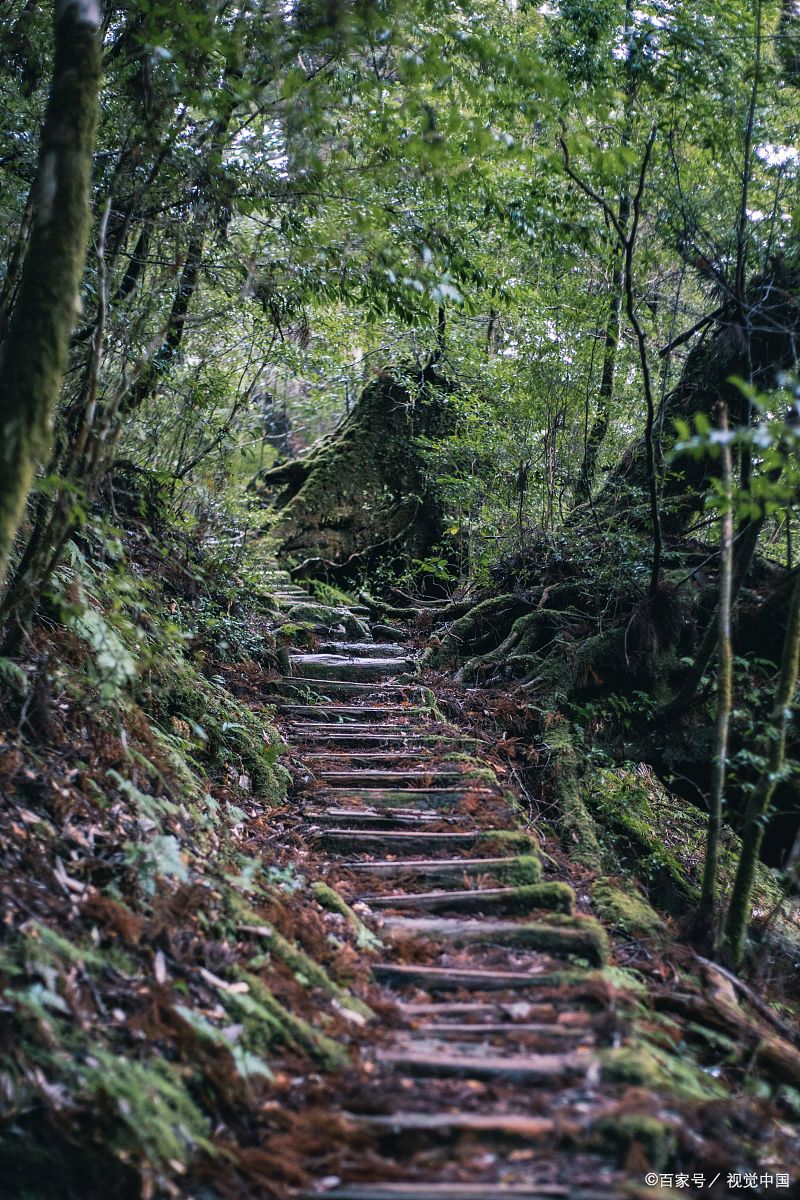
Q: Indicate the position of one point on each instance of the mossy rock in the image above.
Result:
(328, 618)
(620, 904)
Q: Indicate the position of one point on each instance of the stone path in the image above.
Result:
(501, 1072)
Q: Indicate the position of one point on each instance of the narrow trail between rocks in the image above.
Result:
(498, 1073)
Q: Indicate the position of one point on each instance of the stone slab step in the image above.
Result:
(487, 1012)
(449, 979)
(358, 670)
(354, 841)
(364, 649)
(461, 1029)
(519, 869)
(395, 737)
(367, 778)
(434, 798)
(556, 896)
(386, 759)
(345, 713)
(514, 1125)
(296, 686)
(362, 818)
(512, 1068)
(581, 936)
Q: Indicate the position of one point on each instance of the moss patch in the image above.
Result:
(642, 1065)
(620, 903)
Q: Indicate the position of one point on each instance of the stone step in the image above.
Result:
(441, 799)
(366, 778)
(491, 1012)
(344, 840)
(391, 737)
(414, 759)
(581, 936)
(526, 898)
(468, 1029)
(343, 714)
(363, 818)
(301, 686)
(501, 1125)
(438, 1062)
(451, 979)
(363, 649)
(357, 670)
(517, 869)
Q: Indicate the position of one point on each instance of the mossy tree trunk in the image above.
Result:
(738, 915)
(34, 354)
(708, 897)
(365, 494)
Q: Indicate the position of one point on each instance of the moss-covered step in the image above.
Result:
(385, 758)
(343, 841)
(389, 737)
(559, 935)
(439, 1062)
(453, 979)
(302, 687)
(442, 799)
(363, 818)
(517, 869)
(376, 778)
(557, 897)
(363, 649)
(336, 666)
(360, 714)
(326, 618)
(494, 1011)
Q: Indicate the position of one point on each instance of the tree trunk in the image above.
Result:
(35, 351)
(738, 916)
(708, 898)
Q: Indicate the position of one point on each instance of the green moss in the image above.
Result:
(556, 896)
(264, 1010)
(219, 729)
(622, 905)
(624, 980)
(619, 1132)
(326, 593)
(305, 968)
(328, 618)
(519, 871)
(330, 899)
(509, 840)
(643, 1065)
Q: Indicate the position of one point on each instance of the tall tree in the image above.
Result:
(35, 351)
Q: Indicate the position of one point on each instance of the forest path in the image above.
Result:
(496, 1071)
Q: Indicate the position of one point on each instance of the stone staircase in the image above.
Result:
(497, 1075)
